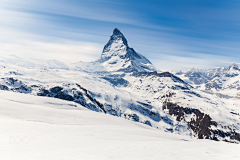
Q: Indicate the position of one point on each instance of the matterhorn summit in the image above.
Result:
(118, 56)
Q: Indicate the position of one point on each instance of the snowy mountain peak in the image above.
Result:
(117, 32)
(116, 46)
(234, 66)
(117, 37)
(118, 56)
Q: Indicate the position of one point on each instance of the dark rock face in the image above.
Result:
(132, 117)
(73, 95)
(232, 75)
(201, 123)
(145, 111)
(145, 105)
(15, 85)
(3, 87)
(117, 35)
(92, 99)
(155, 73)
(64, 96)
(56, 89)
(43, 92)
(117, 81)
(23, 88)
(235, 113)
(148, 123)
(11, 81)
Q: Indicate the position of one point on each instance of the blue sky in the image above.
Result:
(172, 34)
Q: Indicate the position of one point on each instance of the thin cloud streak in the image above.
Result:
(202, 61)
(70, 52)
(64, 8)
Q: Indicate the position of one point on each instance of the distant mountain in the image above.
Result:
(223, 81)
(200, 76)
(226, 82)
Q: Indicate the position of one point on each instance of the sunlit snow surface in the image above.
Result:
(46, 128)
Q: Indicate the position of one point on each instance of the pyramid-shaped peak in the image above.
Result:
(117, 32)
(116, 42)
(118, 56)
(117, 35)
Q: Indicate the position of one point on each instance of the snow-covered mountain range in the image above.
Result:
(223, 81)
(124, 83)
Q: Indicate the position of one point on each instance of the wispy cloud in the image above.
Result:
(201, 60)
(16, 39)
(66, 8)
(100, 10)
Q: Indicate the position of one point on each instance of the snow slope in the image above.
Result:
(39, 128)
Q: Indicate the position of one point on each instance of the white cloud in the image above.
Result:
(177, 62)
(27, 45)
(15, 39)
(68, 52)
